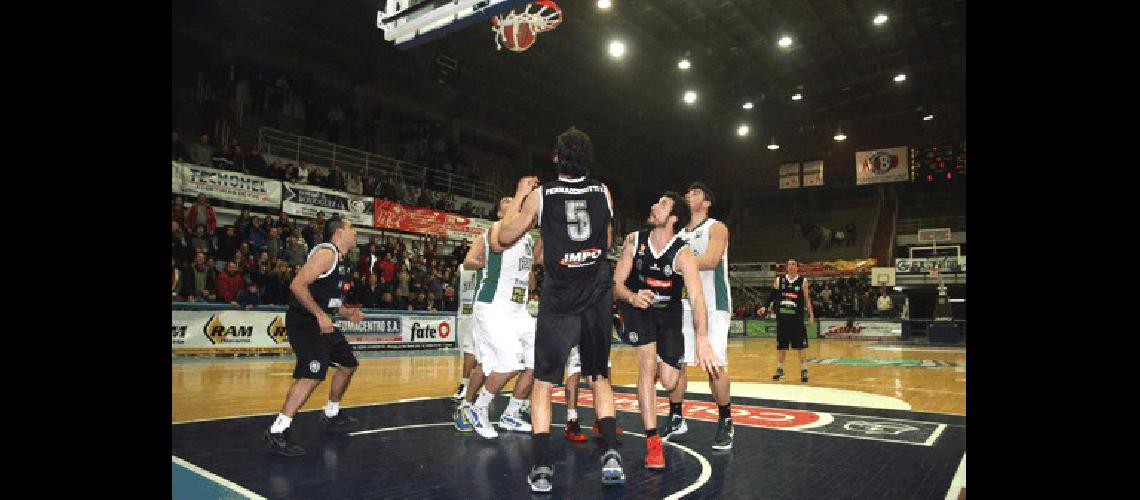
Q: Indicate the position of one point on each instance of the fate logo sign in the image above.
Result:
(220, 333)
(276, 331)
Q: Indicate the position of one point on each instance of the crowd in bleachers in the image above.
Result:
(252, 261)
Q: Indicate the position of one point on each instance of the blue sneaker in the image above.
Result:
(461, 422)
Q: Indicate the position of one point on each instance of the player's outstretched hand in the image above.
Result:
(706, 359)
(642, 299)
(526, 185)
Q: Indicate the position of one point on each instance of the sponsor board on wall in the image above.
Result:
(764, 327)
(736, 327)
(230, 186)
(882, 165)
(789, 175)
(175, 177)
(307, 201)
(813, 173)
(392, 215)
(265, 331)
(861, 329)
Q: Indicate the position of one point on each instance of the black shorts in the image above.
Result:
(315, 352)
(556, 334)
(791, 332)
(663, 326)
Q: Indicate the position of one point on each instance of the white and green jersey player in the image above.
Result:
(708, 240)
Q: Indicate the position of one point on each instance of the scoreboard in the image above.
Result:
(943, 163)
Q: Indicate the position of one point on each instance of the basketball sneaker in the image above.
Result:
(724, 433)
(677, 427)
(337, 423)
(479, 422)
(574, 431)
(461, 422)
(539, 479)
(654, 457)
(459, 393)
(779, 374)
(598, 428)
(279, 443)
(803, 375)
(612, 472)
(524, 414)
(513, 422)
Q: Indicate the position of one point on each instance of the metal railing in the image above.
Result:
(909, 226)
(325, 154)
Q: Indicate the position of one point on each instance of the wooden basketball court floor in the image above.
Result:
(876, 420)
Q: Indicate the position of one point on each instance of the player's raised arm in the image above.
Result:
(521, 214)
(641, 299)
(718, 241)
(319, 263)
(476, 258)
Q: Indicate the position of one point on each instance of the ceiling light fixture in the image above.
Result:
(880, 19)
(773, 146)
(684, 64)
(748, 105)
(690, 97)
(742, 130)
(796, 97)
(785, 41)
(604, 4)
(840, 136)
(617, 49)
(901, 77)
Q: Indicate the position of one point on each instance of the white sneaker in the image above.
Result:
(478, 418)
(513, 422)
(677, 428)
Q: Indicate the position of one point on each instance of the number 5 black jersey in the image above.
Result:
(574, 215)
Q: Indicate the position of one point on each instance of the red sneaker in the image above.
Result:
(598, 429)
(574, 431)
(654, 458)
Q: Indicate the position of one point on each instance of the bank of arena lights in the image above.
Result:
(690, 97)
(617, 49)
(880, 19)
(748, 105)
(785, 41)
(684, 64)
(742, 130)
(901, 77)
(604, 4)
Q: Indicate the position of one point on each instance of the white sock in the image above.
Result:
(280, 424)
(464, 404)
(332, 409)
(484, 399)
(525, 405)
(779, 366)
(513, 405)
(572, 414)
(465, 382)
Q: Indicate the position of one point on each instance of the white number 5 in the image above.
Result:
(577, 220)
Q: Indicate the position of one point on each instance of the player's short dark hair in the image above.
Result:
(704, 189)
(331, 226)
(680, 210)
(575, 153)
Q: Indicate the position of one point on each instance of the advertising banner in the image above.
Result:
(865, 329)
(230, 186)
(303, 200)
(392, 215)
(832, 268)
(789, 175)
(765, 327)
(882, 165)
(813, 173)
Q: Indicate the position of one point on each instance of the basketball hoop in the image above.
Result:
(519, 31)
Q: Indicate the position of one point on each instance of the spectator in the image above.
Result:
(177, 209)
(885, 304)
(850, 232)
(198, 280)
(365, 262)
(302, 173)
(403, 287)
(202, 153)
(178, 151)
(432, 302)
(229, 283)
(223, 158)
(203, 210)
(201, 242)
(276, 170)
(387, 268)
(284, 224)
(274, 245)
(424, 199)
(175, 280)
(241, 224)
(237, 160)
(419, 303)
(296, 251)
(311, 234)
(255, 164)
(368, 296)
(291, 173)
(460, 251)
(277, 287)
(354, 185)
(228, 241)
(257, 238)
(247, 298)
(387, 302)
(180, 247)
(450, 302)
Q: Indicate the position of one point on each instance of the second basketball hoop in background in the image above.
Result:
(518, 31)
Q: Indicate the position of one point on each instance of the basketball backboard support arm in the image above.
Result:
(410, 24)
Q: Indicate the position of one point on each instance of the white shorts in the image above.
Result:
(718, 336)
(466, 333)
(504, 339)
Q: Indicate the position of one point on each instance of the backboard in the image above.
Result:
(410, 23)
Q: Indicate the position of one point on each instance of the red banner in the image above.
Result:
(392, 215)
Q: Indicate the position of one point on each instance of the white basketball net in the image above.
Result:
(546, 16)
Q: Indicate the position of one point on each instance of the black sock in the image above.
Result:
(725, 412)
(650, 433)
(674, 409)
(540, 448)
(608, 427)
